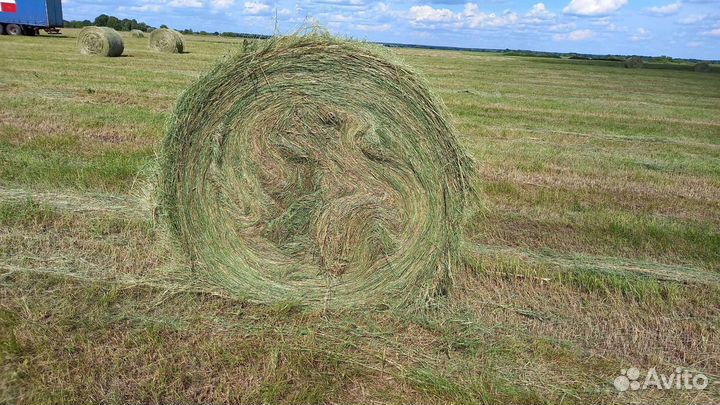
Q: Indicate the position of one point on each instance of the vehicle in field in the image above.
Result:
(28, 17)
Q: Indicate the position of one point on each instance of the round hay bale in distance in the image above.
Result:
(101, 41)
(316, 170)
(703, 67)
(633, 63)
(166, 40)
(137, 34)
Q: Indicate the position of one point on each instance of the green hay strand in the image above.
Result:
(100, 41)
(166, 40)
(317, 170)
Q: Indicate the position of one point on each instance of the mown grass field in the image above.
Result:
(599, 248)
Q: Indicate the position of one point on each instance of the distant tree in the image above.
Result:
(114, 23)
(101, 20)
(163, 26)
(77, 24)
(104, 20)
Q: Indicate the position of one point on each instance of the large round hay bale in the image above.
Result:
(703, 67)
(102, 41)
(166, 40)
(633, 63)
(137, 34)
(316, 169)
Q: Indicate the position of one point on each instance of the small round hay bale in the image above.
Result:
(166, 40)
(703, 67)
(137, 34)
(316, 170)
(101, 41)
(633, 63)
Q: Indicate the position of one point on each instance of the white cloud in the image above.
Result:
(608, 25)
(577, 35)
(540, 12)
(222, 4)
(146, 7)
(252, 7)
(283, 12)
(692, 19)
(562, 27)
(580, 35)
(339, 18)
(713, 33)
(185, 3)
(382, 8)
(471, 17)
(477, 19)
(667, 9)
(429, 14)
(340, 3)
(593, 7)
(640, 34)
(601, 21)
(373, 27)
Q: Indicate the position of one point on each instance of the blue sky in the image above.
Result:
(678, 28)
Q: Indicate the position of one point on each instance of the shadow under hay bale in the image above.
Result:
(100, 41)
(319, 170)
(167, 41)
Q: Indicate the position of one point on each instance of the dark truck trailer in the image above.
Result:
(18, 17)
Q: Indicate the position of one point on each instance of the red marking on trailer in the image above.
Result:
(8, 6)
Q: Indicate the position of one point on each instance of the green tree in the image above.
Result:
(101, 20)
(113, 22)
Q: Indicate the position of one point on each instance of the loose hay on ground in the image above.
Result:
(101, 41)
(316, 169)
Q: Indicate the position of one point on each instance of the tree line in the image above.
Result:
(104, 20)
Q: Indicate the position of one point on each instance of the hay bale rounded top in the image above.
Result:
(633, 63)
(166, 40)
(702, 67)
(137, 34)
(101, 41)
(316, 169)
